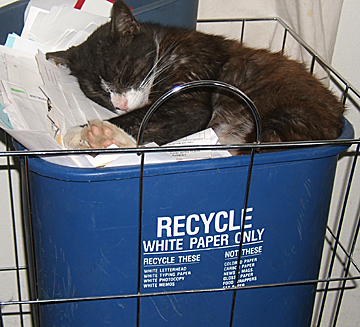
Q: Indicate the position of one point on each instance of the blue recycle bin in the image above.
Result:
(12, 19)
(86, 239)
(182, 13)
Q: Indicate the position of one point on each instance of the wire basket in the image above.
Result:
(339, 272)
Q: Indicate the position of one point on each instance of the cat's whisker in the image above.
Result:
(157, 73)
(148, 78)
(164, 67)
(160, 81)
(156, 70)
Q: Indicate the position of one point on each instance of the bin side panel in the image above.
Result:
(86, 237)
(12, 19)
(181, 13)
(86, 244)
(191, 240)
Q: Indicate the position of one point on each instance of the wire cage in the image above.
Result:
(339, 273)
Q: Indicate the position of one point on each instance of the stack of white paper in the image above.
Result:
(49, 28)
(39, 102)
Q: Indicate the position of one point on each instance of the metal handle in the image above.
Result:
(191, 85)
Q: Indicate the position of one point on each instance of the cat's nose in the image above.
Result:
(119, 102)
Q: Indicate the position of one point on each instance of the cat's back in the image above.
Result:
(293, 104)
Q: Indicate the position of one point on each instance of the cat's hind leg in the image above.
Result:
(97, 134)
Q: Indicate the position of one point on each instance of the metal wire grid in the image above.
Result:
(21, 306)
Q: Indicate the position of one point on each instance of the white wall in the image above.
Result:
(346, 61)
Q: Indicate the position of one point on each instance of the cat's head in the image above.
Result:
(114, 65)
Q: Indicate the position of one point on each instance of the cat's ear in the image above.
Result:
(61, 58)
(123, 21)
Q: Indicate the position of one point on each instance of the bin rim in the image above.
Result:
(42, 167)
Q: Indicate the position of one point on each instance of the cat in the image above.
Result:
(125, 66)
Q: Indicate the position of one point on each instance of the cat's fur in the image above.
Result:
(127, 66)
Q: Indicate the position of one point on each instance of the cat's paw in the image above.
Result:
(97, 134)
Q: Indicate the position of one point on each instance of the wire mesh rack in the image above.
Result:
(339, 272)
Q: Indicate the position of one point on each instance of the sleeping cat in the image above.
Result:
(125, 67)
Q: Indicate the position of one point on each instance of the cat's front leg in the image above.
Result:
(97, 134)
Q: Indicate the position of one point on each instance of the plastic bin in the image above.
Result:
(86, 232)
(182, 13)
(12, 19)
